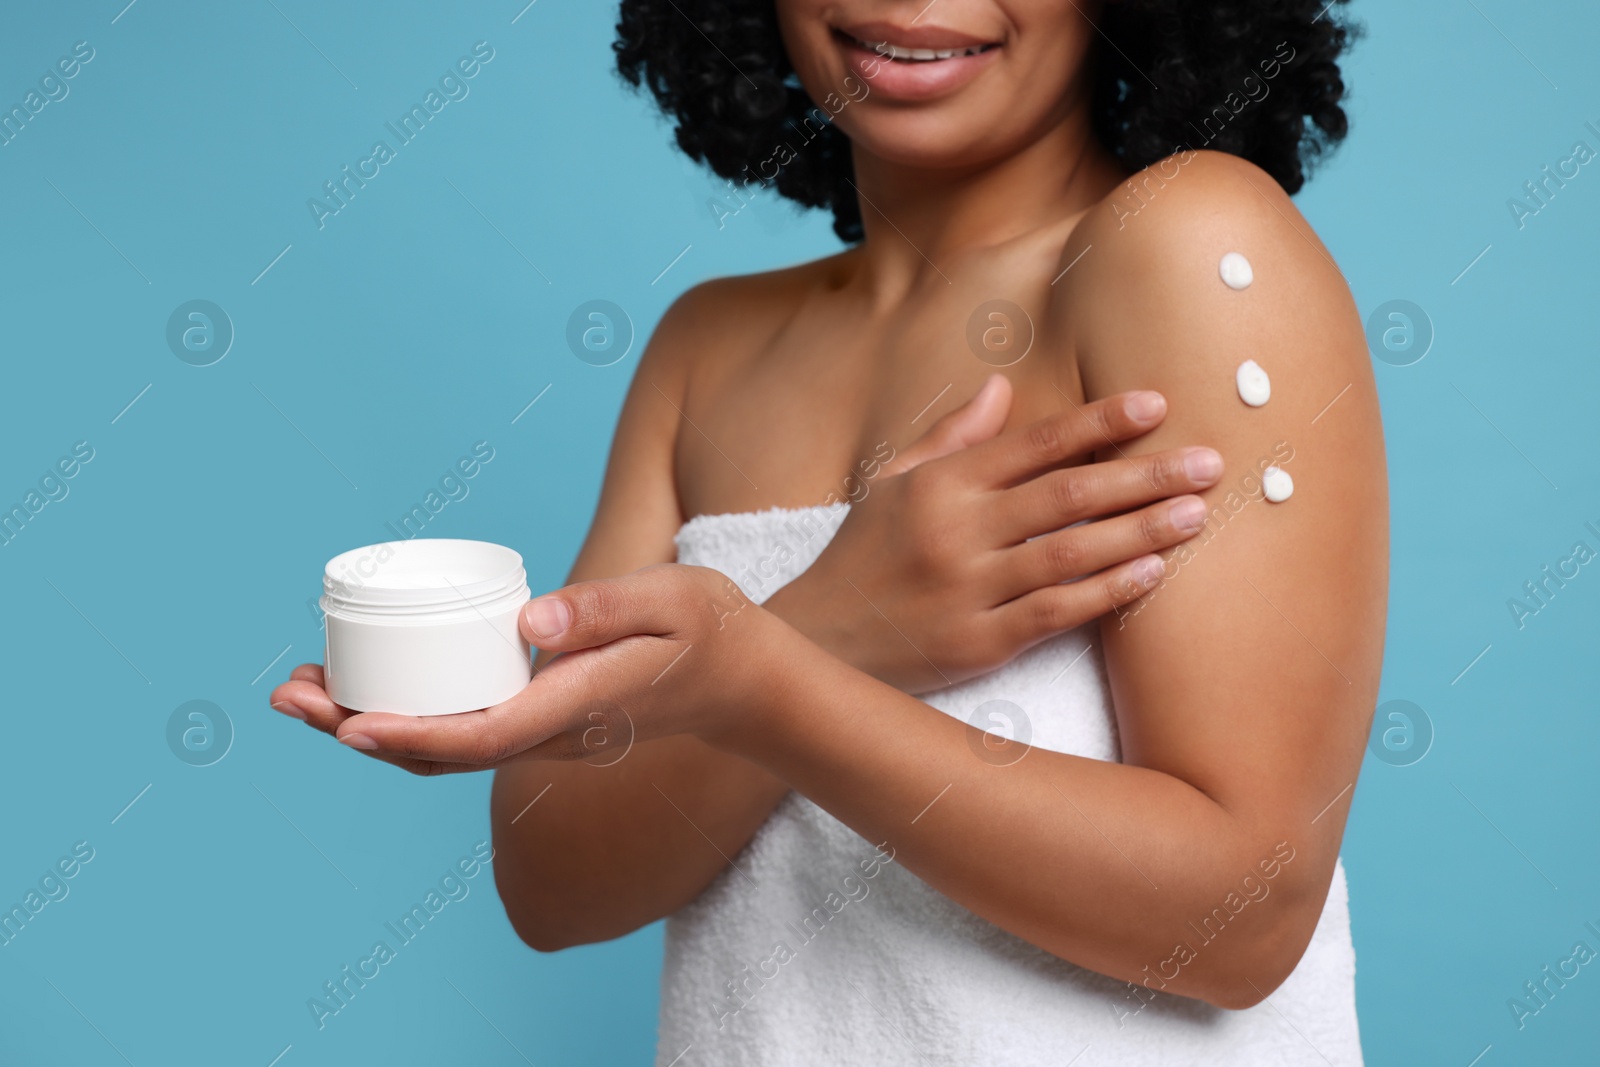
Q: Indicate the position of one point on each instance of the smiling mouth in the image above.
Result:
(902, 54)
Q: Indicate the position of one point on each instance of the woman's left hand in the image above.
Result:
(668, 649)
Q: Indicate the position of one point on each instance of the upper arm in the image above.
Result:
(1252, 670)
(638, 514)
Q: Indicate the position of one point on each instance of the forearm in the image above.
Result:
(835, 631)
(1103, 864)
(587, 853)
(841, 622)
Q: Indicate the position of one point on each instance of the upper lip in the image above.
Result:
(938, 38)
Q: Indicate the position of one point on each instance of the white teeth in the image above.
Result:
(921, 55)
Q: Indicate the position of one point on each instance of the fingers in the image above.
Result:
(303, 698)
(307, 701)
(1060, 497)
(586, 614)
(1022, 453)
(979, 419)
(310, 672)
(475, 740)
(1046, 612)
(1092, 547)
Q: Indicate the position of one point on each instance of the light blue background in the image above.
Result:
(377, 350)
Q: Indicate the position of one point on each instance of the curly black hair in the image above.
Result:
(1168, 75)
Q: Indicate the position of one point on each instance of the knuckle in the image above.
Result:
(1050, 613)
(598, 609)
(1152, 526)
(1013, 631)
(1069, 492)
(682, 585)
(1063, 554)
(1107, 418)
(1166, 469)
(485, 746)
(488, 747)
(1108, 421)
(1048, 438)
(1119, 588)
(566, 749)
(411, 748)
(693, 577)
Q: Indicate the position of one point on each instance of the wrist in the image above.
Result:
(820, 622)
(765, 667)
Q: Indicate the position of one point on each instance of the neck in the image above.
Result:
(919, 220)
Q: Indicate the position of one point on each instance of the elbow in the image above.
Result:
(1237, 997)
(1258, 967)
(541, 929)
(537, 922)
(540, 937)
(1246, 985)
(550, 917)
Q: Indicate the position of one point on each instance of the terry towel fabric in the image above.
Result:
(816, 949)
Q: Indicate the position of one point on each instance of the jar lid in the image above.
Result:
(426, 574)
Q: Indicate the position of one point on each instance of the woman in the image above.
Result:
(1080, 558)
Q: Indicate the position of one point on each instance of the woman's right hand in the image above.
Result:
(964, 552)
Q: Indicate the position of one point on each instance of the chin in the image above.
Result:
(927, 139)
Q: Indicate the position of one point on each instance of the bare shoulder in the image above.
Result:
(711, 325)
(1189, 194)
(1193, 266)
(1204, 250)
(720, 320)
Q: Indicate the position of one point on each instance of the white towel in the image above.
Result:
(815, 948)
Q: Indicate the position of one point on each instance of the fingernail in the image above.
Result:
(361, 741)
(1147, 572)
(547, 616)
(290, 710)
(1189, 515)
(1144, 406)
(1203, 465)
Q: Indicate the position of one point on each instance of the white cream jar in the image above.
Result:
(425, 627)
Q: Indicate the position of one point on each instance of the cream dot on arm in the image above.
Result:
(1276, 484)
(1236, 272)
(1255, 388)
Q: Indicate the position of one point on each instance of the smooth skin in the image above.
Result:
(1243, 682)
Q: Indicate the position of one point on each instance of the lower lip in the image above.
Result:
(914, 80)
